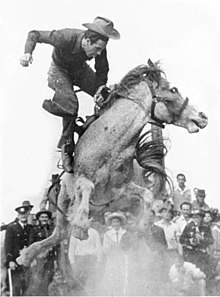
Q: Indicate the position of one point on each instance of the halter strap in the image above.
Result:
(175, 117)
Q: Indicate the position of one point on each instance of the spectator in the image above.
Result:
(181, 192)
(43, 265)
(199, 203)
(187, 279)
(215, 228)
(170, 229)
(182, 221)
(101, 225)
(58, 287)
(184, 218)
(17, 238)
(207, 220)
(195, 239)
(49, 200)
(156, 241)
(113, 276)
(155, 236)
(30, 218)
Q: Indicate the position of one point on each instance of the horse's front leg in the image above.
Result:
(80, 222)
(60, 232)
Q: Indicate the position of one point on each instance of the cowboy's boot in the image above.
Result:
(67, 150)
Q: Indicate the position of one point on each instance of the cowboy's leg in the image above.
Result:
(64, 104)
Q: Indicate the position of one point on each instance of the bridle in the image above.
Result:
(175, 116)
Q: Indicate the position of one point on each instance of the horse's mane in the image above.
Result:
(150, 154)
(151, 73)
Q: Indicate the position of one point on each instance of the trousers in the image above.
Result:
(65, 102)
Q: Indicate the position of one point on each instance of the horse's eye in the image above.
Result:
(174, 90)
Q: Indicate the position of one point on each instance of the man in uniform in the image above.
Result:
(199, 203)
(72, 48)
(17, 238)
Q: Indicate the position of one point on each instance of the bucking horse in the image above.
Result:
(104, 154)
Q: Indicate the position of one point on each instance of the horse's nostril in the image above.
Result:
(202, 115)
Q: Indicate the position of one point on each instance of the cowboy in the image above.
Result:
(43, 266)
(199, 203)
(72, 48)
(49, 200)
(17, 238)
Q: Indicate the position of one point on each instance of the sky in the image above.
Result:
(182, 34)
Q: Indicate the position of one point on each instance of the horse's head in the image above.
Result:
(170, 107)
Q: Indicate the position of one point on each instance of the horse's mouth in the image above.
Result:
(195, 124)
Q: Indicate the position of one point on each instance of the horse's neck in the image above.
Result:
(132, 111)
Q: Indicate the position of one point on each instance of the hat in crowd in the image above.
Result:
(116, 215)
(26, 206)
(197, 212)
(55, 178)
(104, 27)
(200, 193)
(39, 213)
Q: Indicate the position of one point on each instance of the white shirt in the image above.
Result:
(112, 238)
(171, 231)
(181, 223)
(90, 246)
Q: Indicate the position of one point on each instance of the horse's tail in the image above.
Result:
(150, 155)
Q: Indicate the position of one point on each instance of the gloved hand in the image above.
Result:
(101, 95)
(26, 59)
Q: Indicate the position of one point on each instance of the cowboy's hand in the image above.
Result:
(26, 59)
(101, 95)
(12, 265)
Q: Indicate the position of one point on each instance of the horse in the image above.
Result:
(104, 154)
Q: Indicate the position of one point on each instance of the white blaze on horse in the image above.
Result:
(104, 154)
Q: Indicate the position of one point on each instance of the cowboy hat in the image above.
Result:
(25, 204)
(104, 27)
(55, 178)
(39, 213)
(116, 215)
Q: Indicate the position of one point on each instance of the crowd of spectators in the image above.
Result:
(175, 250)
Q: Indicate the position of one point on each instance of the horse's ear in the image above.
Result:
(150, 63)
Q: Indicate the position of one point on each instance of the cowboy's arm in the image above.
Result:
(56, 38)
(102, 69)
